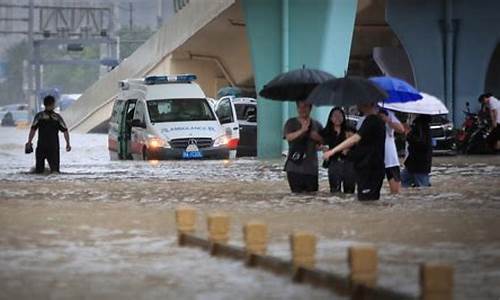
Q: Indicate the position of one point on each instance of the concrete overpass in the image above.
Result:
(204, 37)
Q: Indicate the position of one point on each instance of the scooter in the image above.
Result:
(472, 137)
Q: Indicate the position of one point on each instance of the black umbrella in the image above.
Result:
(346, 91)
(294, 85)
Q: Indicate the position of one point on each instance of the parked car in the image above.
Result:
(246, 115)
(443, 136)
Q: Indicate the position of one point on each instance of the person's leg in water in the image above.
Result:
(407, 179)
(393, 175)
(53, 159)
(40, 155)
(422, 180)
(349, 179)
(310, 183)
(369, 184)
(296, 182)
(335, 176)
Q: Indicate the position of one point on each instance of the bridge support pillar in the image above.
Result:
(285, 35)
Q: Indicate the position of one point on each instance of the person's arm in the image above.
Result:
(295, 135)
(393, 122)
(396, 125)
(316, 135)
(34, 127)
(64, 129)
(347, 144)
(66, 137)
(31, 135)
(291, 136)
(493, 114)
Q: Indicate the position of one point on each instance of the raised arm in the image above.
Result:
(347, 144)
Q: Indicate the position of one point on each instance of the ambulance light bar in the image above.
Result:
(182, 78)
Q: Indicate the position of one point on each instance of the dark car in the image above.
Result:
(443, 135)
(246, 111)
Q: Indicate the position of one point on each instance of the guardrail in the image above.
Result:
(436, 279)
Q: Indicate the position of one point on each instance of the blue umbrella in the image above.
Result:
(399, 90)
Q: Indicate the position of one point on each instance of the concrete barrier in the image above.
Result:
(303, 246)
(436, 280)
(363, 265)
(255, 236)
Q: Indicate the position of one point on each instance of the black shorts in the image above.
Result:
(302, 183)
(393, 173)
(369, 183)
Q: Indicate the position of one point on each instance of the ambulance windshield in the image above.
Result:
(179, 110)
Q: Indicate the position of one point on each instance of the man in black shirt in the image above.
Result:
(368, 155)
(48, 123)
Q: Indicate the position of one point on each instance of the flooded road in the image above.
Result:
(105, 229)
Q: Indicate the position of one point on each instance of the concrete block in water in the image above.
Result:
(436, 281)
(218, 227)
(303, 246)
(255, 236)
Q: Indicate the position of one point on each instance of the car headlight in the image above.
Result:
(448, 127)
(221, 141)
(157, 142)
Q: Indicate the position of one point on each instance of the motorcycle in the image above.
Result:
(472, 137)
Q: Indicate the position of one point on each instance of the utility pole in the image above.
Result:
(159, 18)
(131, 15)
(31, 96)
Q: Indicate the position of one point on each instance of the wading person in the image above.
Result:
(391, 158)
(494, 107)
(302, 162)
(48, 123)
(368, 155)
(340, 170)
(419, 160)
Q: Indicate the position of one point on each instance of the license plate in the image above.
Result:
(192, 151)
(434, 143)
(192, 154)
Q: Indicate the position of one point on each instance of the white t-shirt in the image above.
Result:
(495, 104)
(391, 157)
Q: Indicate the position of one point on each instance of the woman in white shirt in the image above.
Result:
(391, 158)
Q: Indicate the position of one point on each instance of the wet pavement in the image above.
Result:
(105, 229)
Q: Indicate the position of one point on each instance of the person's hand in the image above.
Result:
(407, 128)
(305, 124)
(328, 154)
(68, 148)
(384, 117)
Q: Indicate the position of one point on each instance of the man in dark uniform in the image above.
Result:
(48, 123)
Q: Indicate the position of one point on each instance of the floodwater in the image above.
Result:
(105, 229)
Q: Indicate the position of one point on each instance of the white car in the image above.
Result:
(166, 117)
(244, 112)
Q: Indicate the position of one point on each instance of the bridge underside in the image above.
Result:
(245, 43)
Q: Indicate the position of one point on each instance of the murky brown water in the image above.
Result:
(106, 229)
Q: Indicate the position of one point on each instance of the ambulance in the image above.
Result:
(167, 117)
